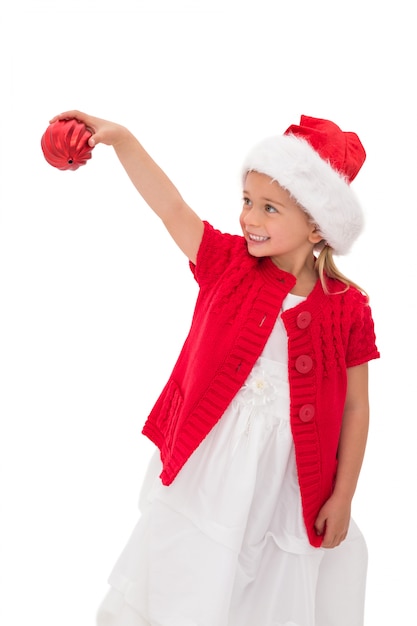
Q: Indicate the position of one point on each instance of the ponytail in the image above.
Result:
(326, 268)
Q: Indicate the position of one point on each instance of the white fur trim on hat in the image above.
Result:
(321, 191)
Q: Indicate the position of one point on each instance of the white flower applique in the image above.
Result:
(259, 388)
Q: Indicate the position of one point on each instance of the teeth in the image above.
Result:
(257, 238)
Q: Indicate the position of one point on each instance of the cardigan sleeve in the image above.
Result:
(215, 254)
(362, 341)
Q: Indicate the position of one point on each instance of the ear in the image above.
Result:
(315, 235)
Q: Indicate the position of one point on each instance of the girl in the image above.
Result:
(262, 425)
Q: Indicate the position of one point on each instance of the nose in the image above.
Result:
(251, 217)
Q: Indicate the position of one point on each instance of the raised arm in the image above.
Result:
(183, 224)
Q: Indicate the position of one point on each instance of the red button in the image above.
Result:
(303, 319)
(303, 364)
(306, 413)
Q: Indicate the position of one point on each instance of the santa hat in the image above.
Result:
(316, 162)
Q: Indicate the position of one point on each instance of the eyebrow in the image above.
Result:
(266, 199)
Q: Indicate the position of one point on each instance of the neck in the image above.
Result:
(305, 284)
(305, 273)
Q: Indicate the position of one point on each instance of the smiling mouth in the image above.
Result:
(257, 238)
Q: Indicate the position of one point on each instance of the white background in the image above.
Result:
(95, 300)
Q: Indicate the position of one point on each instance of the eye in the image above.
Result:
(270, 209)
(246, 202)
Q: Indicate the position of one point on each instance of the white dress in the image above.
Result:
(225, 543)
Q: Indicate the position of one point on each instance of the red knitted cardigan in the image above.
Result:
(239, 300)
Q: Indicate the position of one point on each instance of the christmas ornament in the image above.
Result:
(65, 144)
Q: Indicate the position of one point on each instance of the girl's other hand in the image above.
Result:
(333, 522)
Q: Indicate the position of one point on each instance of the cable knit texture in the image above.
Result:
(239, 300)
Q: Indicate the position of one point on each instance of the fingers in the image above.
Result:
(80, 117)
(332, 522)
(69, 115)
(332, 536)
(102, 131)
(333, 541)
(320, 525)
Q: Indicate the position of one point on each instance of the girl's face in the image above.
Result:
(274, 225)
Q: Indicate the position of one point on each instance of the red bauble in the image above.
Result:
(65, 144)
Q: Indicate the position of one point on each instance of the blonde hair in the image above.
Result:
(326, 268)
